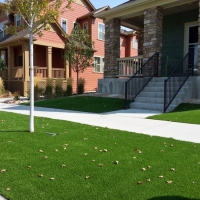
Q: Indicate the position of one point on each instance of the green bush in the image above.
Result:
(59, 87)
(49, 88)
(69, 89)
(81, 85)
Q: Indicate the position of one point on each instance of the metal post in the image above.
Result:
(126, 84)
(165, 83)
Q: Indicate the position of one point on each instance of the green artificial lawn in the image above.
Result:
(185, 113)
(82, 148)
(83, 103)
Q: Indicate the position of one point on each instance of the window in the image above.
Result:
(101, 31)
(75, 24)
(85, 26)
(64, 24)
(2, 29)
(98, 64)
(18, 20)
(135, 43)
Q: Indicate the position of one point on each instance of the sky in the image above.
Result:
(100, 3)
(112, 3)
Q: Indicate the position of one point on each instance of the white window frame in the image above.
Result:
(101, 32)
(63, 19)
(134, 43)
(101, 67)
(18, 19)
(86, 26)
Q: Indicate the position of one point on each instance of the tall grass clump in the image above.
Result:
(81, 85)
(37, 89)
(2, 89)
(69, 89)
(59, 87)
(49, 88)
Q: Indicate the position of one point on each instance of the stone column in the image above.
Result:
(49, 61)
(112, 47)
(199, 42)
(153, 23)
(140, 39)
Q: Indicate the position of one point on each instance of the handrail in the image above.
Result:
(170, 91)
(133, 87)
(128, 58)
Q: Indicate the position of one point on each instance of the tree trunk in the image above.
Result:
(77, 82)
(31, 129)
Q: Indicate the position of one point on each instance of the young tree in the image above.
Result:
(80, 51)
(35, 13)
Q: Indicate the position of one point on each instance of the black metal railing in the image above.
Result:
(176, 80)
(135, 84)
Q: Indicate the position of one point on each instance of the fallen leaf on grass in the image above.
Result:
(172, 169)
(169, 182)
(117, 162)
(93, 160)
(63, 165)
(85, 154)
(139, 182)
(171, 145)
(41, 175)
(87, 177)
(143, 169)
(56, 150)
(101, 165)
(100, 150)
(29, 167)
(161, 176)
(45, 156)
(149, 166)
(41, 151)
(95, 148)
(134, 157)
(7, 189)
(105, 150)
(52, 179)
(3, 170)
(148, 180)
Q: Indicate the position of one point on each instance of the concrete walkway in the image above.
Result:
(132, 120)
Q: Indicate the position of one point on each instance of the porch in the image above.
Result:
(48, 62)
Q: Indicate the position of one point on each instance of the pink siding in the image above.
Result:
(91, 79)
(98, 44)
(127, 49)
(50, 36)
(72, 15)
(3, 19)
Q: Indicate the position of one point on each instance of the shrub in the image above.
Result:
(81, 85)
(58, 87)
(37, 89)
(49, 88)
(16, 95)
(2, 90)
(69, 89)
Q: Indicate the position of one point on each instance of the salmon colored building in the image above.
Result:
(50, 48)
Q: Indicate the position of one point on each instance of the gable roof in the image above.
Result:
(92, 13)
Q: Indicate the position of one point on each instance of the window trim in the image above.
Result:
(101, 64)
(133, 40)
(18, 20)
(102, 32)
(63, 19)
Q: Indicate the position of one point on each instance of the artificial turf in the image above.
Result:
(185, 113)
(78, 151)
(83, 103)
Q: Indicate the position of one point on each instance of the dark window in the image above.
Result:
(193, 34)
(20, 61)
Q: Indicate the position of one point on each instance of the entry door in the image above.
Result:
(193, 46)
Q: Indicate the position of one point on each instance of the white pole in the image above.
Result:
(31, 83)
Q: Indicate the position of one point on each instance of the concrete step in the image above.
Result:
(156, 100)
(161, 89)
(147, 106)
(155, 94)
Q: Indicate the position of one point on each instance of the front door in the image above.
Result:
(193, 46)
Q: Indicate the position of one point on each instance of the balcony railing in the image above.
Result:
(58, 73)
(42, 72)
(129, 66)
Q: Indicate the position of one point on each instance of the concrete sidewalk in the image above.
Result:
(132, 120)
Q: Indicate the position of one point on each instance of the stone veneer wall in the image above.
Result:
(153, 22)
(199, 43)
(112, 47)
(140, 38)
